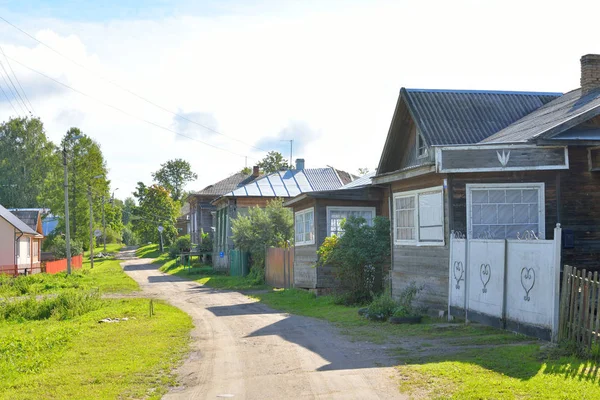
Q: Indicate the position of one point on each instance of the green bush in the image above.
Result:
(207, 243)
(129, 237)
(59, 247)
(405, 301)
(182, 244)
(382, 307)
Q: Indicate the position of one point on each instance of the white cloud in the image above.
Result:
(336, 70)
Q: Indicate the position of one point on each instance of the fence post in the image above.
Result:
(565, 295)
(556, 282)
(593, 301)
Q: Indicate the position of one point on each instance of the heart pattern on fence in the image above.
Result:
(458, 267)
(527, 281)
(485, 273)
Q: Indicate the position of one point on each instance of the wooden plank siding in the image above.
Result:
(424, 265)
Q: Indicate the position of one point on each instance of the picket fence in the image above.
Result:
(580, 307)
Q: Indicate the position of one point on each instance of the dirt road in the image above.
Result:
(245, 350)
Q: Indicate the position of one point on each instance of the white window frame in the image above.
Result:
(346, 208)
(28, 247)
(415, 194)
(420, 144)
(302, 212)
(539, 186)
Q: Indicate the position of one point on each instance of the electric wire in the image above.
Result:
(14, 87)
(12, 94)
(128, 90)
(123, 111)
(17, 79)
(9, 102)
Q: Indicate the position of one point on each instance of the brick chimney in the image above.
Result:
(299, 163)
(255, 171)
(590, 73)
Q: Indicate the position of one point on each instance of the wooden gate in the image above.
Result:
(279, 267)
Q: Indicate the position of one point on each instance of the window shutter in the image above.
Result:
(431, 217)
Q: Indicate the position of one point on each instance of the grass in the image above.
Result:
(80, 358)
(106, 276)
(202, 274)
(110, 248)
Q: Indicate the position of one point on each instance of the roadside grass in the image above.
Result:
(149, 251)
(110, 248)
(106, 277)
(79, 358)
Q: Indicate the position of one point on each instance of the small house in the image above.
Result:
(20, 242)
(282, 184)
(319, 214)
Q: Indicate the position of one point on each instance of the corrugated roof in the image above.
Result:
(226, 185)
(16, 222)
(447, 117)
(553, 118)
(290, 183)
(364, 180)
(30, 217)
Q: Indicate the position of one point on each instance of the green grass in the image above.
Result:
(206, 276)
(503, 372)
(149, 251)
(110, 248)
(82, 359)
(106, 276)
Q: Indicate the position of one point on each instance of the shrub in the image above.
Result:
(207, 243)
(129, 237)
(405, 301)
(359, 256)
(59, 247)
(182, 244)
(68, 304)
(382, 307)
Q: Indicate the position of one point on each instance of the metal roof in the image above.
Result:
(447, 117)
(364, 180)
(552, 119)
(28, 216)
(226, 185)
(16, 222)
(290, 183)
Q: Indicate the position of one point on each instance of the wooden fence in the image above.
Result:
(580, 308)
(54, 267)
(279, 267)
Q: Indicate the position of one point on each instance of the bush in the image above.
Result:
(382, 307)
(207, 243)
(129, 237)
(182, 244)
(67, 305)
(405, 301)
(59, 247)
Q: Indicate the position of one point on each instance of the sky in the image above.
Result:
(220, 83)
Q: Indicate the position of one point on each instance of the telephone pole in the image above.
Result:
(91, 226)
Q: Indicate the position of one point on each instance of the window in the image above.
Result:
(28, 242)
(335, 216)
(421, 146)
(36, 249)
(305, 230)
(419, 217)
(501, 211)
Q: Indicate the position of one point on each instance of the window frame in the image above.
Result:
(420, 144)
(415, 194)
(331, 209)
(303, 212)
(539, 186)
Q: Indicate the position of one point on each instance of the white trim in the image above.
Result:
(302, 212)
(539, 186)
(415, 193)
(439, 167)
(349, 208)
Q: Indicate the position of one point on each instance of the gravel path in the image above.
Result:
(244, 350)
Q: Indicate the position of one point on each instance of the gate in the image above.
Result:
(511, 284)
(238, 262)
(279, 267)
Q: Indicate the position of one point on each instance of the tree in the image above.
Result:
(273, 162)
(363, 171)
(156, 208)
(261, 228)
(359, 256)
(87, 173)
(173, 176)
(127, 212)
(25, 161)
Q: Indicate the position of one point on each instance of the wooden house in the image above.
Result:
(200, 211)
(318, 215)
(20, 242)
(281, 184)
(491, 165)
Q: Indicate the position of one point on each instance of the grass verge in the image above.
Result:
(82, 359)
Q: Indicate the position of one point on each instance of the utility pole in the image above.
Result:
(67, 233)
(291, 150)
(103, 226)
(91, 226)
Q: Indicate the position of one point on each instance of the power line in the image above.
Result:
(13, 95)
(9, 102)
(121, 110)
(13, 85)
(128, 90)
(17, 79)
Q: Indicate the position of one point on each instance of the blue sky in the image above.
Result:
(326, 73)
